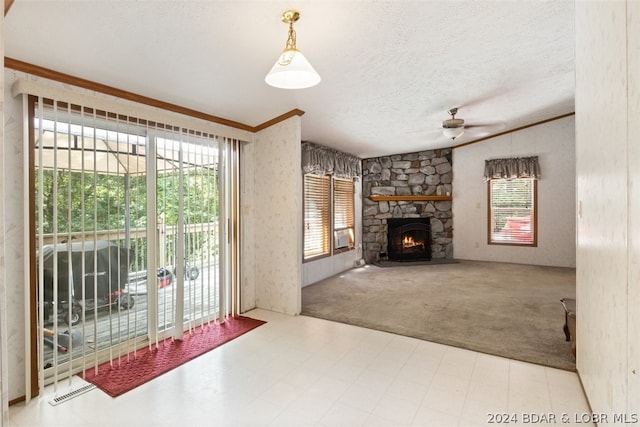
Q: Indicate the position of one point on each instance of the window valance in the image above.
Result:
(516, 167)
(320, 160)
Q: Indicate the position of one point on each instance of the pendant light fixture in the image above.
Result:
(292, 70)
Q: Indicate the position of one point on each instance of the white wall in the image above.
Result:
(322, 268)
(553, 143)
(277, 211)
(317, 270)
(608, 194)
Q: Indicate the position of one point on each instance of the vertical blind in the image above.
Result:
(317, 208)
(150, 195)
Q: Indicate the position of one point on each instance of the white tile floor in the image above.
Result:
(301, 371)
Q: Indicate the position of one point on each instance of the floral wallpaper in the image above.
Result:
(277, 211)
(11, 239)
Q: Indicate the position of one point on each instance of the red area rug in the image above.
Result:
(148, 364)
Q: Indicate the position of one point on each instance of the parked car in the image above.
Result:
(519, 228)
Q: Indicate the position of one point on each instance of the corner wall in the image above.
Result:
(608, 194)
(554, 144)
(276, 207)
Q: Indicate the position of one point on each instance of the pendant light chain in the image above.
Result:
(290, 47)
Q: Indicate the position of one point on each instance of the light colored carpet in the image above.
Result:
(509, 310)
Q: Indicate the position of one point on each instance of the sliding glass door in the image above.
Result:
(188, 217)
(129, 234)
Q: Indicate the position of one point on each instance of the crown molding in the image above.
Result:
(515, 130)
(47, 73)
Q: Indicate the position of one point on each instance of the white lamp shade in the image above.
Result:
(453, 133)
(297, 74)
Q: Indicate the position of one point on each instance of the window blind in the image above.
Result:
(512, 211)
(317, 197)
(343, 203)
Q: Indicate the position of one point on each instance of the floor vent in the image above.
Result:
(73, 393)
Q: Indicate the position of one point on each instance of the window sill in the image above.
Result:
(525, 245)
(316, 257)
(342, 250)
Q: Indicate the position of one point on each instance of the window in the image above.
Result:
(327, 200)
(343, 216)
(512, 211)
(317, 215)
(328, 206)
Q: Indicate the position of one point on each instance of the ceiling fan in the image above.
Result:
(453, 128)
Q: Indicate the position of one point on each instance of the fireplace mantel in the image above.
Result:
(377, 198)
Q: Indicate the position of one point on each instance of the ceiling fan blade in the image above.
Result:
(480, 131)
(423, 131)
(477, 132)
(494, 127)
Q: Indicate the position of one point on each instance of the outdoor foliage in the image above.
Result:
(86, 202)
(89, 202)
(513, 193)
(73, 202)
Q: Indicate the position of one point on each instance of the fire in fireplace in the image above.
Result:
(408, 239)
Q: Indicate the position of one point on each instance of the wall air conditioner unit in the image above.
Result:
(342, 238)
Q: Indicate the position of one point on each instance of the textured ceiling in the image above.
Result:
(390, 70)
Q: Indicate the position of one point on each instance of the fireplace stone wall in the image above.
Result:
(424, 173)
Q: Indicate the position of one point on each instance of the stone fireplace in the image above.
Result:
(407, 186)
